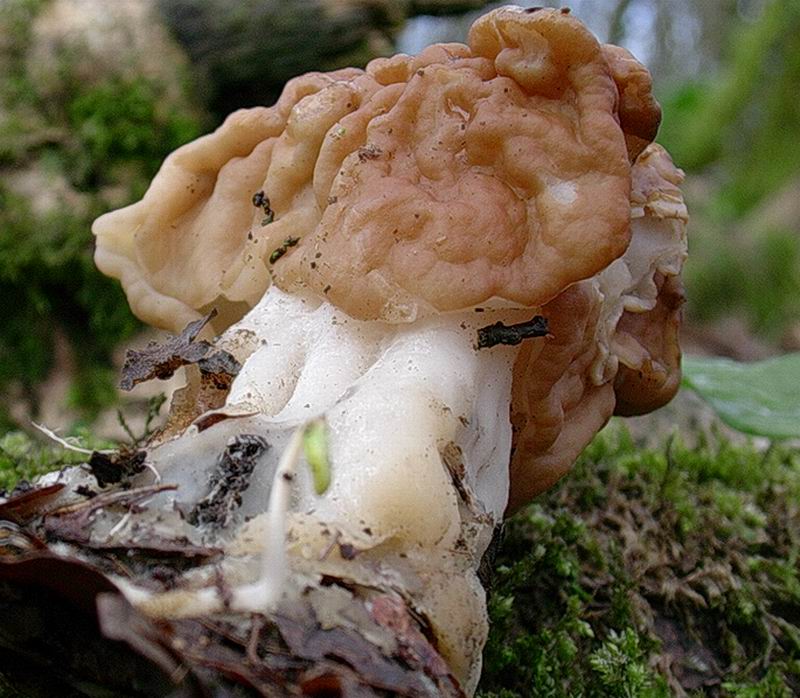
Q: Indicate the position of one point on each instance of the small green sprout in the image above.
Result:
(315, 447)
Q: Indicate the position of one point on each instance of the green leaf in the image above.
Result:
(760, 398)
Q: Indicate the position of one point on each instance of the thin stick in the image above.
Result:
(64, 443)
(152, 469)
(266, 592)
(119, 526)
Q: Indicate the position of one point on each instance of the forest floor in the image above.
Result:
(665, 564)
(654, 569)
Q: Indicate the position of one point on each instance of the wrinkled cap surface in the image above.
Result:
(613, 346)
(639, 112)
(497, 170)
(515, 171)
(647, 342)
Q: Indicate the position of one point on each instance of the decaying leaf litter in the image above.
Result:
(665, 571)
(720, 520)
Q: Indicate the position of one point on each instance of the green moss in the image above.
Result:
(620, 668)
(771, 686)
(684, 559)
(24, 458)
(645, 569)
(46, 266)
(124, 121)
(16, 18)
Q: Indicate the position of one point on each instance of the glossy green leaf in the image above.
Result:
(760, 398)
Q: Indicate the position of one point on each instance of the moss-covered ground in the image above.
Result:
(653, 572)
(647, 572)
(22, 458)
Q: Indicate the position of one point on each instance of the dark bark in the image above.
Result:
(160, 361)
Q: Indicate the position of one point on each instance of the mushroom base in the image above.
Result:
(418, 439)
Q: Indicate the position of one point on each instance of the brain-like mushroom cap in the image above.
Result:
(639, 113)
(613, 345)
(497, 173)
(498, 170)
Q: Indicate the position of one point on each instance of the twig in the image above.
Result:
(119, 525)
(153, 470)
(511, 335)
(265, 593)
(66, 444)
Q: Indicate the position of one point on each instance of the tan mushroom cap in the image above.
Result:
(498, 170)
(648, 343)
(653, 379)
(560, 400)
(639, 112)
(556, 409)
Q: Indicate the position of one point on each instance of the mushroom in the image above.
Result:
(357, 239)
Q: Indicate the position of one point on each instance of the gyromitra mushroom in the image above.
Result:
(379, 245)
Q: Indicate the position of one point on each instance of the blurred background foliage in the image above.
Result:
(90, 103)
(94, 94)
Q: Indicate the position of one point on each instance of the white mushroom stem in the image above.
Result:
(394, 397)
(418, 438)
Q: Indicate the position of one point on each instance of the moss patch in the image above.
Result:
(650, 572)
(65, 158)
(23, 458)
